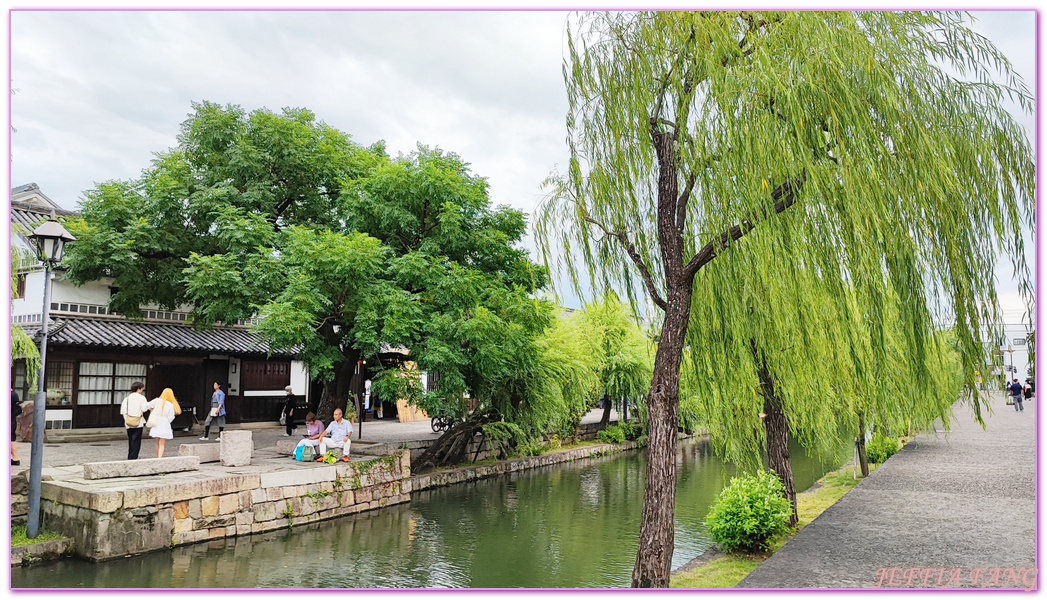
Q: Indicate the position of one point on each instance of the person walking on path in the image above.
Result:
(288, 412)
(216, 414)
(131, 409)
(16, 409)
(1016, 395)
(164, 410)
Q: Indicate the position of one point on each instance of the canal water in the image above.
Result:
(568, 525)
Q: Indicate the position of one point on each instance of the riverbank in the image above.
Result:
(714, 569)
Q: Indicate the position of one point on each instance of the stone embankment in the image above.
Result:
(119, 517)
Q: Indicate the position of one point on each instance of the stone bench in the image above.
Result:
(236, 448)
(286, 446)
(205, 452)
(140, 467)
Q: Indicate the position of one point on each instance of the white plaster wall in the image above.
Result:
(34, 296)
(95, 292)
(299, 379)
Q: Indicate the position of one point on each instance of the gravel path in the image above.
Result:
(944, 512)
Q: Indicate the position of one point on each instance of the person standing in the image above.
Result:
(288, 412)
(216, 414)
(131, 409)
(1016, 395)
(166, 407)
(16, 409)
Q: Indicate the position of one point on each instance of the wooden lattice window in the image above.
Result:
(265, 375)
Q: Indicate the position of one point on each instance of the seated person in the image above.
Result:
(314, 430)
(339, 430)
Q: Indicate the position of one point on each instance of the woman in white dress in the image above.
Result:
(167, 407)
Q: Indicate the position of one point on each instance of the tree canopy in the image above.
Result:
(871, 148)
(336, 247)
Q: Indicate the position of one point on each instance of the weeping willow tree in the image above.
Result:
(22, 346)
(623, 355)
(838, 141)
(803, 366)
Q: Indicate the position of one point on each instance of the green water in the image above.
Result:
(569, 525)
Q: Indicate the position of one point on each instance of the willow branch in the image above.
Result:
(630, 249)
(785, 196)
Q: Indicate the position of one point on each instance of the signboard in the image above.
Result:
(1019, 341)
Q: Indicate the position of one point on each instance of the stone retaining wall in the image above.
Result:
(471, 473)
(108, 524)
(19, 498)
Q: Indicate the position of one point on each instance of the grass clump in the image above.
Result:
(19, 536)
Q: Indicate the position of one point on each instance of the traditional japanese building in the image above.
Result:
(93, 355)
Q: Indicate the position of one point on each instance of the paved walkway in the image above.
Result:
(265, 436)
(943, 512)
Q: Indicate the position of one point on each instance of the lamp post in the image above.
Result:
(50, 239)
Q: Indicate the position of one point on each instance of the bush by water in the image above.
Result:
(881, 447)
(751, 511)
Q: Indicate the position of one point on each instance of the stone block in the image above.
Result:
(209, 506)
(407, 486)
(72, 494)
(296, 477)
(265, 511)
(183, 525)
(244, 518)
(205, 452)
(195, 511)
(181, 509)
(236, 448)
(243, 530)
(286, 447)
(363, 495)
(273, 494)
(189, 490)
(258, 496)
(186, 537)
(19, 484)
(228, 504)
(244, 500)
(215, 533)
(140, 467)
(214, 522)
(230, 531)
(200, 535)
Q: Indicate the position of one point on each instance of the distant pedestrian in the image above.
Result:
(164, 410)
(16, 409)
(288, 412)
(1016, 395)
(217, 413)
(131, 409)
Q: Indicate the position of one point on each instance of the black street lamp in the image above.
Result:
(50, 239)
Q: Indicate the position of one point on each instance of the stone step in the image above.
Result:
(140, 467)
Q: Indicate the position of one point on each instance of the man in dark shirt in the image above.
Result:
(289, 411)
(1016, 394)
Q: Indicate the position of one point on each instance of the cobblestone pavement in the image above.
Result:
(265, 435)
(945, 511)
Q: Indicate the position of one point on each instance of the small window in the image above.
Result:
(20, 285)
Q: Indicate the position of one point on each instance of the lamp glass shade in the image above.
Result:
(50, 238)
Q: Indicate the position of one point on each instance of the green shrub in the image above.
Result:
(631, 430)
(612, 435)
(881, 447)
(750, 512)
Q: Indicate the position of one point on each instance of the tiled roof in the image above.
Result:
(110, 333)
(29, 216)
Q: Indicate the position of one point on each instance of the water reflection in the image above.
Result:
(571, 525)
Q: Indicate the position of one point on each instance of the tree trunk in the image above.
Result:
(777, 430)
(605, 420)
(654, 557)
(863, 459)
(337, 391)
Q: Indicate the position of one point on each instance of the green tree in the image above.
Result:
(22, 346)
(337, 247)
(839, 141)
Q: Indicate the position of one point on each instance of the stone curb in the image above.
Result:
(41, 551)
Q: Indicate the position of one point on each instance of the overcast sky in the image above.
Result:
(96, 93)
